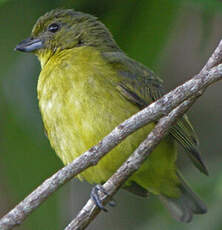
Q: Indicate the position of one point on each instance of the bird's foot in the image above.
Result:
(95, 197)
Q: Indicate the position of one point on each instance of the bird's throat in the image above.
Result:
(44, 56)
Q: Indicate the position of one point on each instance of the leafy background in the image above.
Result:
(174, 38)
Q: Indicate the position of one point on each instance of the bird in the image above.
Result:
(87, 86)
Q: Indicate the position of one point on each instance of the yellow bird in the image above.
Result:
(88, 86)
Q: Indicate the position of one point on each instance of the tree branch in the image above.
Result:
(163, 106)
(132, 164)
(215, 59)
(89, 212)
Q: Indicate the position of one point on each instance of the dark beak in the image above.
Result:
(29, 45)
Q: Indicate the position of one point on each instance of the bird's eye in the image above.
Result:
(53, 27)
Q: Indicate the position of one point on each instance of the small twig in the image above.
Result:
(215, 59)
(153, 112)
(132, 164)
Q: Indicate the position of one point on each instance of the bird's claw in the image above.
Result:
(95, 197)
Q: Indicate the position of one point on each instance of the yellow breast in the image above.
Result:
(80, 104)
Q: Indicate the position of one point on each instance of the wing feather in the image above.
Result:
(141, 86)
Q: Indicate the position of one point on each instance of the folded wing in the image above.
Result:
(141, 86)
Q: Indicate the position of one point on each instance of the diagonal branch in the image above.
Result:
(89, 212)
(132, 164)
(215, 59)
(153, 112)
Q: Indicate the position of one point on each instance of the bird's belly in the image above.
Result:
(73, 128)
(76, 117)
(77, 123)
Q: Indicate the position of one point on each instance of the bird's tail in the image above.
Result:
(184, 207)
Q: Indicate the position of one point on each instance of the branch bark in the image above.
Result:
(132, 164)
(211, 73)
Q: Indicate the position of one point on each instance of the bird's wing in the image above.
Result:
(141, 86)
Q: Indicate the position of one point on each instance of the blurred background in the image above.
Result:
(172, 37)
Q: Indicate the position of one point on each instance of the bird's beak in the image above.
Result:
(29, 45)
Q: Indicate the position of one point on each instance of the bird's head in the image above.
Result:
(66, 29)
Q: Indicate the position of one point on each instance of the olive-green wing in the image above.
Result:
(141, 86)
